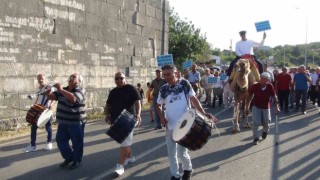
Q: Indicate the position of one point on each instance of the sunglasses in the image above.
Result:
(118, 78)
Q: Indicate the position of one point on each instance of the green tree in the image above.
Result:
(186, 41)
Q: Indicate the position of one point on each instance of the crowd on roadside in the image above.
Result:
(295, 87)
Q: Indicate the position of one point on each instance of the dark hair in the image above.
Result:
(168, 67)
(148, 83)
(138, 84)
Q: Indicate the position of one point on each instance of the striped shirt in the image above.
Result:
(71, 113)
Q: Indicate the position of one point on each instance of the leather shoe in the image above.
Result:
(75, 165)
(65, 163)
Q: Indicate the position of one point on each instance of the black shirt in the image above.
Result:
(122, 98)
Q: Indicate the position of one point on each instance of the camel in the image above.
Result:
(244, 75)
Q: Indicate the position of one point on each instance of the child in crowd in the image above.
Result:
(140, 90)
(149, 97)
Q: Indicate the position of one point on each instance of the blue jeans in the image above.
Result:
(176, 151)
(156, 117)
(34, 128)
(75, 133)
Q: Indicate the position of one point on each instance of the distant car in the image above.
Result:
(215, 68)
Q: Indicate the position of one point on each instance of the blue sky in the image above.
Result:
(292, 21)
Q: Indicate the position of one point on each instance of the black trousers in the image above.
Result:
(284, 99)
(313, 94)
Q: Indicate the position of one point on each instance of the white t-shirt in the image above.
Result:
(175, 98)
(245, 47)
(193, 77)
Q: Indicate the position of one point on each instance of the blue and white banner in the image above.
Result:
(262, 26)
(164, 59)
(187, 64)
(223, 77)
(212, 79)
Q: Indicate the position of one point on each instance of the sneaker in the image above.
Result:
(119, 170)
(30, 148)
(186, 175)
(174, 178)
(129, 160)
(304, 112)
(264, 135)
(255, 141)
(48, 146)
(65, 163)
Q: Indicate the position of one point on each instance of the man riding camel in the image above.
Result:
(245, 48)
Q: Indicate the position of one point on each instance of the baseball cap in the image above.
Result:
(265, 75)
(242, 32)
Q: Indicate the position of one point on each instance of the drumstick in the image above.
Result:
(211, 121)
(19, 109)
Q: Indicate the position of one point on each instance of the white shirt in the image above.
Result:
(271, 75)
(176, 101)
(42, 99)
(218, 84)
(193, 77)
(245, 47)
(314, 78)
(205, 83)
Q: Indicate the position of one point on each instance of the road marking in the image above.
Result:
(110, 171)
(222, 111)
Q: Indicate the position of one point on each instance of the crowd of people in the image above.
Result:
(169, 96)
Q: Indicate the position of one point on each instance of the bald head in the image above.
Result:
(119, 74)
(41, 79)
(119, 79)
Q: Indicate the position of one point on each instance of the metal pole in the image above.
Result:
(306, 50)
(284, 56)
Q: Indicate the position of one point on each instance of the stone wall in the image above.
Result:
(95, 38)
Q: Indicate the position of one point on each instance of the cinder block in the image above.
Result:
(110, 10)
(134, 29)
(93, 6)
(119, 3)
(151, 11)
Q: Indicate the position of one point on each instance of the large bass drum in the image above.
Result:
(122, 126)
(38, 115)
(192, 130)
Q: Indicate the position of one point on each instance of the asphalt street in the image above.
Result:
(225, 156)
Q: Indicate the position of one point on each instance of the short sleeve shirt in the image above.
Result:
(261, 97)
(176, 99)
(122, 98)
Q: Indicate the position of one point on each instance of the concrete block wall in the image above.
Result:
(95, 38)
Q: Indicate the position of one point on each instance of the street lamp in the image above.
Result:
(284, 56)
(306, 50)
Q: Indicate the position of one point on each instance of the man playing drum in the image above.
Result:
(45, 102)
(124, 96)
(176, 95)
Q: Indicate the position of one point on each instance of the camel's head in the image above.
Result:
(243, 66)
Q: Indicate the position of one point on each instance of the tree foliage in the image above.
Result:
(185, 41)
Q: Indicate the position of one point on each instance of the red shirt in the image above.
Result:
(284, 80)
(261, 97)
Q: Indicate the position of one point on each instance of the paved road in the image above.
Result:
(228, 156)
